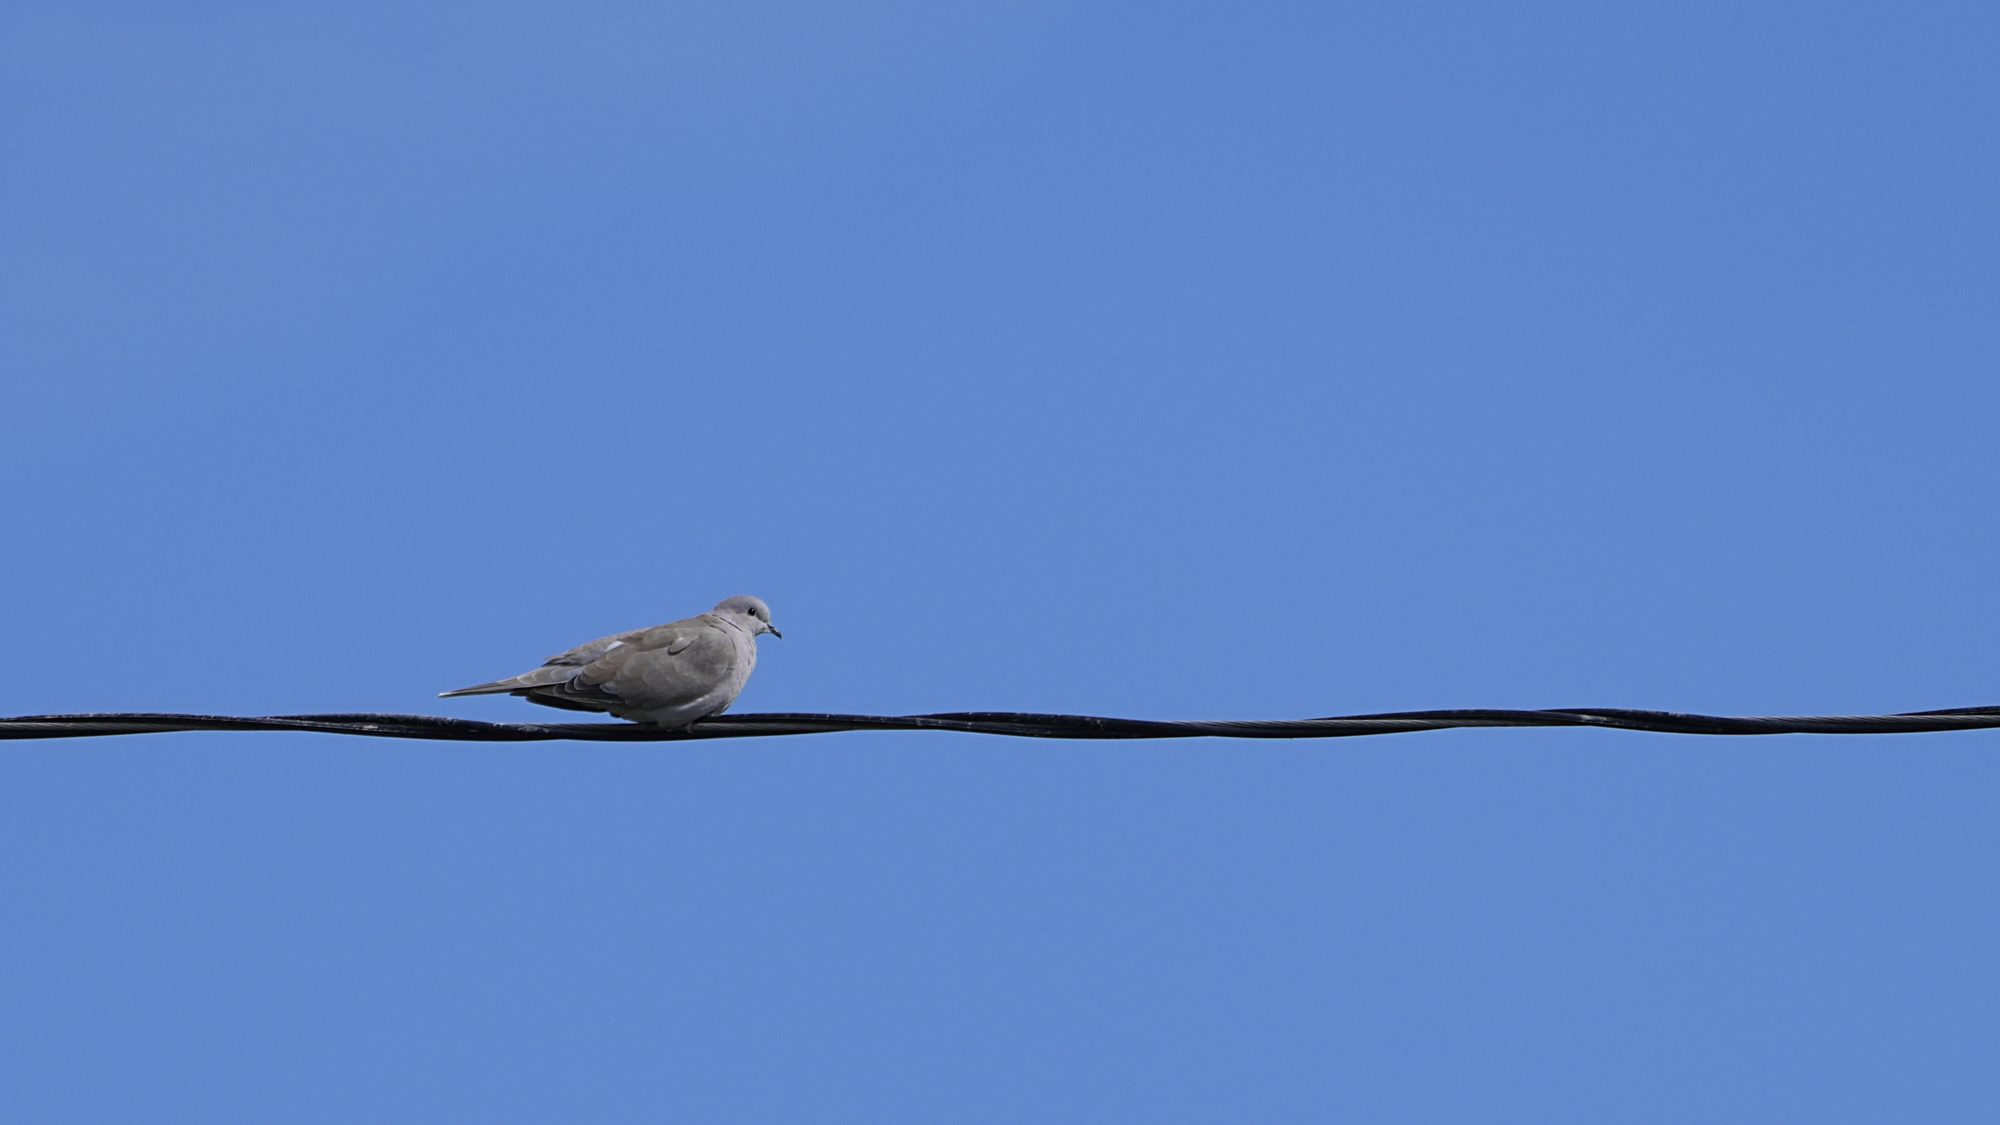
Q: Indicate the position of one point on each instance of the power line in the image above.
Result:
(1002, 723)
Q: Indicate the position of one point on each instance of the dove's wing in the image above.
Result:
(665, 666)
(565, 666)
(584, 654)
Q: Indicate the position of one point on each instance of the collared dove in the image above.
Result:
(670, 675)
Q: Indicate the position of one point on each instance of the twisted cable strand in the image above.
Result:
(1008, 723)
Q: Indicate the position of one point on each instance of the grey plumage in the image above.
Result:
(671, 675)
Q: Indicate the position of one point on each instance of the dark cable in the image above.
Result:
(1004, 723)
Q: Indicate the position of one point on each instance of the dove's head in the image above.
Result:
(750, 613)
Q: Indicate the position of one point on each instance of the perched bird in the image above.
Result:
(670, 675)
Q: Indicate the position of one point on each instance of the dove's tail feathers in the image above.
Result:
(493, 688)
(540, 677)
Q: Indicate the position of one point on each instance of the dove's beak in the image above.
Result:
(773, 630)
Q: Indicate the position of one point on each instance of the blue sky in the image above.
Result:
(1187, 360)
